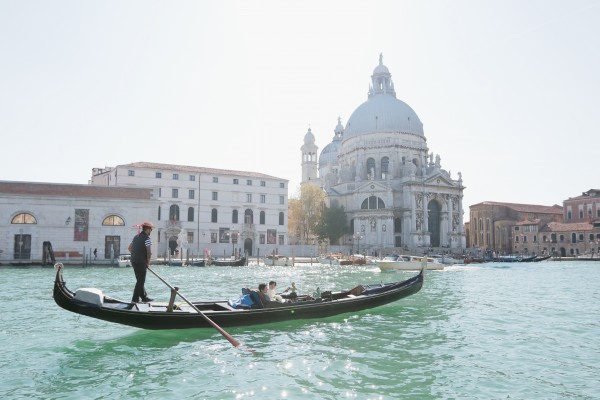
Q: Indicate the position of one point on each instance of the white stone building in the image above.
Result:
(74, 219)
(201, 210)
(379, 168)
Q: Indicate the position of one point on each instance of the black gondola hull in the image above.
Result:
(156, 316)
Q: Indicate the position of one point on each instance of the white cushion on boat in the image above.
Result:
(90, 295)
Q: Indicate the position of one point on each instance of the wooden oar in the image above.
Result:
(227, 336)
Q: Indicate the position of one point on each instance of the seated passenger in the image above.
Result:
(272, 294)
(262, 294)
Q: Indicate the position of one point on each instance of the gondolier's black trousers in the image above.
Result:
(139, 293)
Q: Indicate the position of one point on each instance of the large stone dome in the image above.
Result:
(383, 112)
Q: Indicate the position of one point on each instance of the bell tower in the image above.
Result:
(309, 158)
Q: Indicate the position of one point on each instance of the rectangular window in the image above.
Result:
(263, 183)
(190, 237)
(158, 175)
(175, 193)
(281, 241)
(159, 192)
(215, 179)
(193, 178)
(248, 198)
(281, 200)
(175, 177)
(192, 194)
(131, 172)
(282, 185)
(236, 181)
(215, 195)
(213, 237)
(249, 182)
(262, 238)
(263, 198)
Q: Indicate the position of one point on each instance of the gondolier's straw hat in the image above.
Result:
(147, 224)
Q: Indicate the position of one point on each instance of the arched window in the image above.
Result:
(113, 220)
(372, 203)
(281, 218)
(385, 165)
(174, 212)
(213, 215)
(370, 167)
(23, 218)
(234, 217)
(248, 216)
(262, 218)
(191, 214)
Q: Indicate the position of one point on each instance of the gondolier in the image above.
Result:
(140, 249)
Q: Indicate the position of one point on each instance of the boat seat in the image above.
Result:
(141, 306)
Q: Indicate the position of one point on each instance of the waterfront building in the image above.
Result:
(508, 228)
(584, 208)
(379, 168)
(72, 220)
(491, 224)
(202, 211)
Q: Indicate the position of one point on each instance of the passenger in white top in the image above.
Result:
(271, 293)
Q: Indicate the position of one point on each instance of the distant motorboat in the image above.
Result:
(408, 263)
(446, 259)
(277, 260)
(124, 260)
(329, 260)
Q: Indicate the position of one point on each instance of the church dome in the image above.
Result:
(309, 138)
(383, 112)
(329, 153)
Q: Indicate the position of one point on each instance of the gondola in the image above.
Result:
(224, 262)
(93, 303)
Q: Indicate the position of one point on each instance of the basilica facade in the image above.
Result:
(378, 167)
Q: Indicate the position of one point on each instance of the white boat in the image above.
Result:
(446, 259)
(124, 260)
(329, 260)
(408, 263)
(276, 260)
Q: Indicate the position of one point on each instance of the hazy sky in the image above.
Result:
(508, 91)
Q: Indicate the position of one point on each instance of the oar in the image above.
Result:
(227, 336)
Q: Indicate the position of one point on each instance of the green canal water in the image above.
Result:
(494, 331)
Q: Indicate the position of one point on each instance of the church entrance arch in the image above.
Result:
(433, 225)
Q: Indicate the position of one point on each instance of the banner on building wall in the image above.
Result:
(271, 236)
(81, 226)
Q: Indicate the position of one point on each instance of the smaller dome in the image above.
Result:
(309, 138)
(329, 154)
(381, 69)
